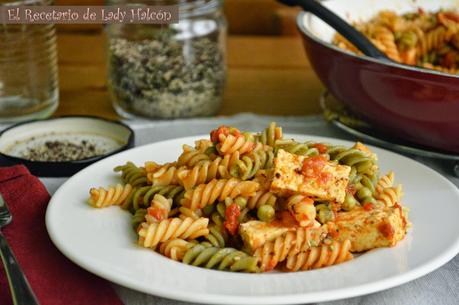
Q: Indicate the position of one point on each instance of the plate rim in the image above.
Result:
(211, 298)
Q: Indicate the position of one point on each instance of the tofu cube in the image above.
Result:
(288, 178)
(256, 233)
(379, 227)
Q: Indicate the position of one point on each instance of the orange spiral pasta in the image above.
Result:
(165, 175)
(188, 213)
(434, 39)
(303, 209)
(117, 195)
(207, 170)
(206, 194)
(191, 156)
(159, 209)
(390, 196)
(150, 235)
(230, 144)
(319, 257)
(384, 182)
(175, 249)
(289, 244)
(387, 39)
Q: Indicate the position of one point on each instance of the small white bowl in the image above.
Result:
(107, 137)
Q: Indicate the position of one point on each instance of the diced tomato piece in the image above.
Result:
(231, 214)
(271, 265)
(284, 219)
(368, 206)
(444, 17)
(386, 229)
(215, 134)
(452, 16)
(322, 148)
(157, 213)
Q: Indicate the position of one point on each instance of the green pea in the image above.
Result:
(324, 213)
(211, 150)
(266, 213)
(349, 202)
(207, 210)
(241, 202)
(364, 192)
(228, 201)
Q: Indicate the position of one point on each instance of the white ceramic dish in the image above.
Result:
(102, 241)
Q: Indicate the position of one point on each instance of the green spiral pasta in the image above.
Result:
(141, 197)
(220, 258)
(365, 190)
(297, 148)
(270, 135)
(362, 161)
(132, 174)
(217, 236)
(138, 218)
(246, 167)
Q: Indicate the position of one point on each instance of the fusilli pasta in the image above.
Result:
(425, 39)
(252, 202)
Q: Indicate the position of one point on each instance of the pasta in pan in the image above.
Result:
(259, 202)
(425, 39)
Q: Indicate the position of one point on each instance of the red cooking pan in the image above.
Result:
(415, 104)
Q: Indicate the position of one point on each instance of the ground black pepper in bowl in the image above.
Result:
(62, 147)
(58, 151)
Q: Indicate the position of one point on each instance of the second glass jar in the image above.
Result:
(169, 71)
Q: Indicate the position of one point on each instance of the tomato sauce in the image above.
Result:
(386, 229)
(399, 207)
(215, 134)
(284, 219)
(157, 213)
(271, 265)
(313, 168)
(231, 214)
(448, 15)
(368, 206)
(322, 148)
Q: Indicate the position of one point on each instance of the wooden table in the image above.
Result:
(267, 75)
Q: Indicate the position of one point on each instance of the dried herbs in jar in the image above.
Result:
(174, 71)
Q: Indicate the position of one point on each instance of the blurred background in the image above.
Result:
(268, 72)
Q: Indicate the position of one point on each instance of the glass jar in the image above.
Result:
(169, 71)
(28, 68)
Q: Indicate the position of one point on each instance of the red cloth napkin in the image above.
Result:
(53, 278)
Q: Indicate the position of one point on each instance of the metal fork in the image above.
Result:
(20, 289)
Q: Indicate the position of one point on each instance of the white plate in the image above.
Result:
(102, 241)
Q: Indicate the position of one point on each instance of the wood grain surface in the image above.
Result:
(266, 74)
